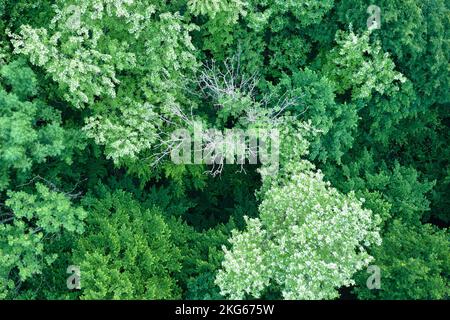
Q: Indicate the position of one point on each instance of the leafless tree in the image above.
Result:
(222, 83)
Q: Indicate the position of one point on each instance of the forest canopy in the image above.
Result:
(333, 120)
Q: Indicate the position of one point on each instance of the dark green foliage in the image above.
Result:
(127, 252)
(414, 263)
(202, 256)
(90, 90)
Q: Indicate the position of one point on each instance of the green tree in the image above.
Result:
(31, 223)
(127, 251)
(308, 241)
(414, 264)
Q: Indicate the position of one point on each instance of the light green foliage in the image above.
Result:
(416, 34)
(230, 8)
(201, 257)
(309, 240)
(84, 59)
(247, 268)
(23, 237)
(22, 251)
(222, 16)
(91, 91)
(363, 68)
(315, 100)
(306, 12)
(93, 66)
(52, 210)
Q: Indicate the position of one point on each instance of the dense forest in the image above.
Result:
(92, 92)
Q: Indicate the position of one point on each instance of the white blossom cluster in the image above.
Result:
(126, 135)
(88, 44)
(246, 270)
(231, 8)
(70, 49)
(375, 70)
(88, 10)
(309, 240)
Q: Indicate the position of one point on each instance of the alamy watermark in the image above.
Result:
(374, 20)
(74, 280)
(232, 146)
(374, 280)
